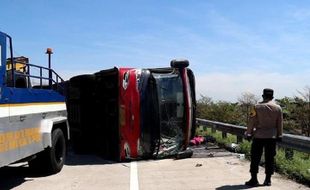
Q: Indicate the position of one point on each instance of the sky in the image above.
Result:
(233, 46)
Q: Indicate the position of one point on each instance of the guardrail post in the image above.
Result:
(289, 153)
(224, 135)
(213, 128)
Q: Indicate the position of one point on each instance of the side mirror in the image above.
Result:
(179, 63)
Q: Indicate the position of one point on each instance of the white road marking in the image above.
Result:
(134, 183)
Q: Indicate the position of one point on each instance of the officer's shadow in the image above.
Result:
(233, 187)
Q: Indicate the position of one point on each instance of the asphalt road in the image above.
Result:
(212, 170)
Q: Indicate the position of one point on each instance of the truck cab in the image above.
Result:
(33, 118)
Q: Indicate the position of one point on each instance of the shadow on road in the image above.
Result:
(233, 187)
(85, 159)
(13, 176)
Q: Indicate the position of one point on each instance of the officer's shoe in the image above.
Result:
(267, 182)
(252, 182)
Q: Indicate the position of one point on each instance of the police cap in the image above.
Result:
(268, 92)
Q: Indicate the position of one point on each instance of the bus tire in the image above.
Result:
(181, 63)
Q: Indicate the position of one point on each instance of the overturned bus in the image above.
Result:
(125, 113)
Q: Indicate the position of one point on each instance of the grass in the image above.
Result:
(297, 168)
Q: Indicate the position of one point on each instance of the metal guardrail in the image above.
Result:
(295, 142)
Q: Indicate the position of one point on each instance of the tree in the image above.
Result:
(290, 122)
(218, 111)
(303, 109)
(246, 101)
(204, 107)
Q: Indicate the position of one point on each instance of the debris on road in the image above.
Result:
(188, 153)
(197, 140)
(233, 147)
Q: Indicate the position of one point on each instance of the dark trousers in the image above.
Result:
(269, 145)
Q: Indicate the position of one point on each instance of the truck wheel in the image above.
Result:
(55, 155)
(51, 160)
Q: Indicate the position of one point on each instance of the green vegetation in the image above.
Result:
(296, 111)
(297, 168)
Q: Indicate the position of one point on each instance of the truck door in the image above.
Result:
(18, 128)
(4, 107)
(6, 156)
(25, 116)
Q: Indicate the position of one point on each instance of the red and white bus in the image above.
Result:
(128, 113)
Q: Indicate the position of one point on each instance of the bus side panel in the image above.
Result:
(129, 114)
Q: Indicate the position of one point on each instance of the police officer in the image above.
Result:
(265, 127)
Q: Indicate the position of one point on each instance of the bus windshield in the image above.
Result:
(171, 111)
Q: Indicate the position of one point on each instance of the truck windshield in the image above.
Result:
(171, 110)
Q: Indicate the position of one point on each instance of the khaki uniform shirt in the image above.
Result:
(266, 121)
